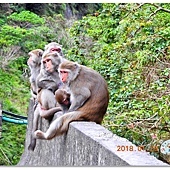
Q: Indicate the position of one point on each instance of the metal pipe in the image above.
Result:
(17, 121)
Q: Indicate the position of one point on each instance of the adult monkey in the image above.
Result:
(53, 47)
(48, 62)
(34, 63)
(89, 98)
(48, 82)
(49, 76)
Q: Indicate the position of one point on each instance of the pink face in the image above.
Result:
(63, 76)
(65, 102)
(48, 64)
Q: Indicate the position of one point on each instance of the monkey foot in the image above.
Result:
(39, 134)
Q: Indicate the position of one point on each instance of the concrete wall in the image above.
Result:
(85, 144)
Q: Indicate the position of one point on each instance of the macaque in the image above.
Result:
(89, 98)
(34, 63)
(49, 76)
(48, 82)
(63, 99)
(46, 108)
(47, 104)
(53, 47)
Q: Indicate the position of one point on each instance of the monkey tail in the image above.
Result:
(32, 145)
(68, 118)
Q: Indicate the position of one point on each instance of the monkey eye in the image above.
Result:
(47, 60)
(55, 49)
(63, 72)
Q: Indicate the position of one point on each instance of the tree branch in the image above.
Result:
(159, 8)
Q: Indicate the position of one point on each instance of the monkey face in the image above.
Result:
(63, 74)
(48, 65)
(51, 62)
(62, 97)
(35, 58)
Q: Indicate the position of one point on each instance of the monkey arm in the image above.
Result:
(50, 112)
(79, 98)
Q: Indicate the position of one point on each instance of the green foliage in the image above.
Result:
(13, 136)
(14, 88)
(12, 143)
(10, 35)
(23, 29)
(14, 94)
(26, 16)
(130, 48)
(29, 31)
(129, 44)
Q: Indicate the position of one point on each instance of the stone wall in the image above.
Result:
(85, 144)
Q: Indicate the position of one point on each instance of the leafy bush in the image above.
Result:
(19, 34)
(127, 43)
(14, 94)
(12, 143)
(130, 48)
(26, 17)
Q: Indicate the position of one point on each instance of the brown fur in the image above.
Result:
(63, 99)
(89, 99)
(46, 108)
(49, 80)
(53, 45)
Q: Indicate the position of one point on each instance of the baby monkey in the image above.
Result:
(63, 99)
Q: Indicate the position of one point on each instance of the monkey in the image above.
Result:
(63, 99)
(45, 109)
(49, 77)
(53, 47)
(48, 82)
(34, 63)
(48, 107)
(89, 98)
